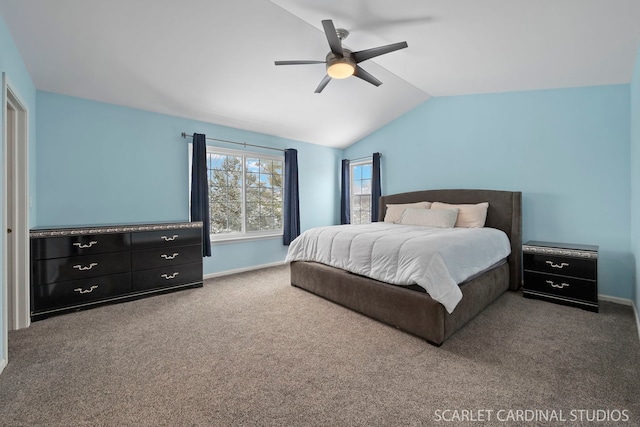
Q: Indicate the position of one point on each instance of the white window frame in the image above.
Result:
(244, 235)
(352, 165)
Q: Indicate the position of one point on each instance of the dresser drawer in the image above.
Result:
(80, 267)
(162, 257)
(565, 266)
(560, 286)
(78, 292)
(66, 246)
(166, 238)
(167, 276)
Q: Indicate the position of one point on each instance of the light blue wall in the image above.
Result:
(12, 65)
(102, 163)
(635, 175)
(567, 150)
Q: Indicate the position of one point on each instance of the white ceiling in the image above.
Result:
(212, 60)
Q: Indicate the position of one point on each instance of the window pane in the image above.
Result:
(253, 194)
(277, 196)
(265, 180)
(253, 165)
(216, 161)
(266, 197)
(225, 193)
(356, 188)
(265, 166)
(366, 186)
(264, 193)
(356, 173)
(225, 218)
(266, 223)
(252, 178)
(253, 216)
(367, 171)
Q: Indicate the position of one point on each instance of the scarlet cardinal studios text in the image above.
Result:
(531, 415)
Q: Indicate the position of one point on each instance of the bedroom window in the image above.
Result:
(245, 194)
(361, 175)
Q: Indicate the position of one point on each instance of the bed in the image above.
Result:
(408, 308)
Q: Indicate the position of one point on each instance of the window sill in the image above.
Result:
(240, 239)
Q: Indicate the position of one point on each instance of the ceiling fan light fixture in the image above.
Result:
(340, 66)
(340, 70)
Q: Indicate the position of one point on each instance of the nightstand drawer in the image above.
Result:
(565, 266)
(76, 292)
(561, 286)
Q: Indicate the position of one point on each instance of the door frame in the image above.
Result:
(15, 251)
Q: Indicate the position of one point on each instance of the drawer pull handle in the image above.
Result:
(88, 291)
(169, 239)
(89, 267)
(559, 286)
(88, 245)
(561, 265)
(165, 256)
(169, 277)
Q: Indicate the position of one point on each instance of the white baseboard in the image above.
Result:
(635, 311)
(623, 301)
(3, 363)
(242, 270)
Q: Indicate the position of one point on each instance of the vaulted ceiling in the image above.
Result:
(213, 60)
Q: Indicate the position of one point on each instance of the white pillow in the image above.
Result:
(442, 218)
(394, 212)
(469, 216)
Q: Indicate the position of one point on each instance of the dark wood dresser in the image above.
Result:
(561, 273)
(74, 268)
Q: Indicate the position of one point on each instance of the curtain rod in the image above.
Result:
(244, 144)
(363, 158)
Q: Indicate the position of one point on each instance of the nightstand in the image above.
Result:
(561, 273)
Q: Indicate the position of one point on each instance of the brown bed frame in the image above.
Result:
(416, 312)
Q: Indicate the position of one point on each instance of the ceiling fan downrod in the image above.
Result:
(342, 33)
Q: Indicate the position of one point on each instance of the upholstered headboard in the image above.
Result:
(505, 213)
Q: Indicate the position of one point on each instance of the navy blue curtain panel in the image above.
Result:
(376, 188)
(291, 197)
(345, 195)
(200, 190)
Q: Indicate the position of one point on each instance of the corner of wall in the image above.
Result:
(634, 144)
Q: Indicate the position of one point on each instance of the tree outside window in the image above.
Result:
(245, 193)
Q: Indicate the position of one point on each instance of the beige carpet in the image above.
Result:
(251, 350)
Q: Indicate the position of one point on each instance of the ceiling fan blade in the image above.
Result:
(361, 73)
(301, 62)
(325, 81)
(363, 55)
(332, 37)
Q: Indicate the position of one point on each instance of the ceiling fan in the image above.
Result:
(342, 63)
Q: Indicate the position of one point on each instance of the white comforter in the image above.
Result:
(437, 259)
